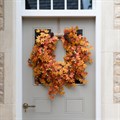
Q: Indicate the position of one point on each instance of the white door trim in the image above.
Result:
(18, 57)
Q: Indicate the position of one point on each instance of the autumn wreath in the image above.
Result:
(55, 75)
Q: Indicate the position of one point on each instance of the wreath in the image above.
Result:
(53, 74)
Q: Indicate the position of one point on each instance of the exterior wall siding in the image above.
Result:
(110, 44)
(6, 47)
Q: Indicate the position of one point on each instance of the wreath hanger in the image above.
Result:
(79, 32)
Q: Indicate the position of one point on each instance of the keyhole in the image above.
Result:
(60, 51)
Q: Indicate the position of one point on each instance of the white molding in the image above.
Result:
(18, 47)
(51, 4)
(56, 13)
(37, 5)
(98, 59)
(18, 58)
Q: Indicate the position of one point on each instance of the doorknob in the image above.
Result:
(26, 106)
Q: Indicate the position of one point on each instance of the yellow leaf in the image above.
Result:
(46, 31)
(85, 82)
(38, 30)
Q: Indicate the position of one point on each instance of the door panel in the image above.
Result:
(77, 103)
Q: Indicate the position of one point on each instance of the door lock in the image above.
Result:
(26, 106)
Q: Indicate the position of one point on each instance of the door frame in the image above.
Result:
(18, 54)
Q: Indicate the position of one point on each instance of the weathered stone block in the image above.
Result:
(1, 2)
(1, 11)
(117, 14)
(117, 97)
(117, 2)
(1, 77)
(1, 23)
(1, 14)
(116, 75)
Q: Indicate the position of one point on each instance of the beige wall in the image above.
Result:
(6, 46)
(110, 44)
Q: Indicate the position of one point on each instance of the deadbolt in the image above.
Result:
(26, 106)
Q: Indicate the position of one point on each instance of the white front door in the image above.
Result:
(77, 103)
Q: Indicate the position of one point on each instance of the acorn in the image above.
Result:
(29, 61)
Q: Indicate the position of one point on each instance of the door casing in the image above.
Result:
(18, 56)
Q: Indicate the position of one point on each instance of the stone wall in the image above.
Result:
(6, 60)
(110, 44)
(1, 14)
